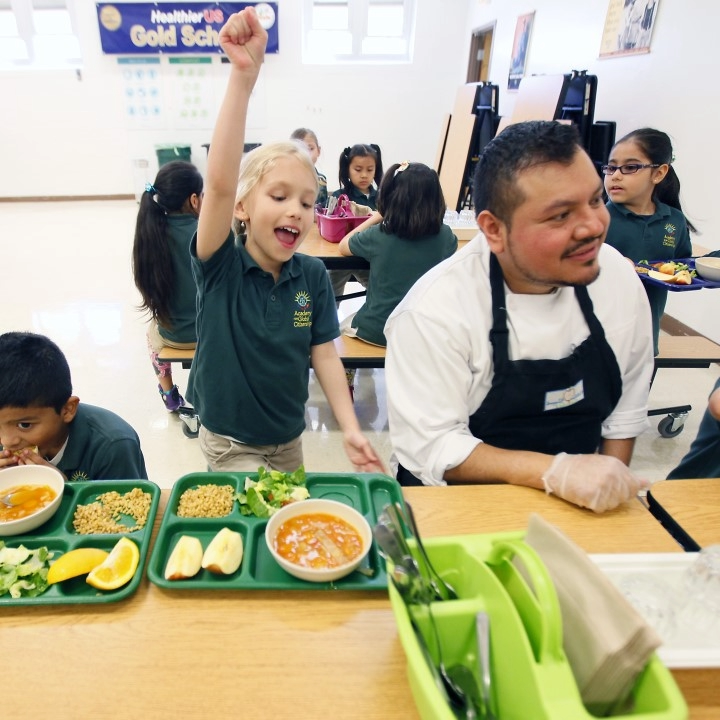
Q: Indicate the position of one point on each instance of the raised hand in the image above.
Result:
(243, 40)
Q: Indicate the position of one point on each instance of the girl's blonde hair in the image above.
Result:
(257, 162)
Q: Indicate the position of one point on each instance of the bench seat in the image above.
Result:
(354, 353)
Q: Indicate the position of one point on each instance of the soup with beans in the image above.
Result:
(318, 540)
(26, 500)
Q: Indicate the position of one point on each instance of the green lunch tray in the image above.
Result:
(531, 676)
(59, 536)
(367, 493)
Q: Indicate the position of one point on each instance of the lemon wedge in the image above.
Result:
(118, 567)
(74, 563)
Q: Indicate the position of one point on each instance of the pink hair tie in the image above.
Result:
(402, 167)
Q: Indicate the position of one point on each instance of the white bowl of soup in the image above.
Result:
(708, 268)
(318, 540)
(34, 493)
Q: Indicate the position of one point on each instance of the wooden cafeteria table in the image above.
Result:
(262, 654)
(330, 254)
(693, 504)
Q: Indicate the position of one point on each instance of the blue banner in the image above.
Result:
(174, 27)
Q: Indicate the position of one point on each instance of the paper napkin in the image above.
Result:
(607, 642)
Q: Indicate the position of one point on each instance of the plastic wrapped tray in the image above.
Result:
(685, 647)
(59, 536)
(367, 493)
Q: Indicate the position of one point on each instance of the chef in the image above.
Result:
(527, 356)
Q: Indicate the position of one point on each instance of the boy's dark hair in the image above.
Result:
(658, 147)
(360, 150)
(411, 201)
(517, 148)
(152, 265)
(33, 372)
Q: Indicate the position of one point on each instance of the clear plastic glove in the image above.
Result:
(598, 482)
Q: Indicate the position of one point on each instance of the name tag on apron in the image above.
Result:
(557, 399)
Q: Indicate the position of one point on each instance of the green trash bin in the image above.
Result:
(168, 153)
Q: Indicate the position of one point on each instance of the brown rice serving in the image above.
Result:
(206, 501)
(104, 514)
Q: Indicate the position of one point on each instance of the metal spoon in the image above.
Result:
(482, 625)
(444, 590)
(15, 498)
(453, 692)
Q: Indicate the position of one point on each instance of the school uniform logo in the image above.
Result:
(303, 312)
(669, 238)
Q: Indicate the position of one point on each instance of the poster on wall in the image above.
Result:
(174, 27)
(628, 27)
(520, 50)
(193, 100)
(143, 93)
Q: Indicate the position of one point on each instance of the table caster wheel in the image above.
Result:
(670, 426)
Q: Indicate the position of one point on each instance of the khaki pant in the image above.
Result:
(225, 455)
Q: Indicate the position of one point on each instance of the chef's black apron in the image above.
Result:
(547, 406)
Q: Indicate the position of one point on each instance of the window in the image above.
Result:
(38, 34)
(358, 31)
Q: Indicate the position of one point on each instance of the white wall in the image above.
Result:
(64, 136)
(672, 88)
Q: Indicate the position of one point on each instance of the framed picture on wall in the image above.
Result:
(628, 27)
(520, 50)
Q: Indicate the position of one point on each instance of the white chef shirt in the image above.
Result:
(439, 358)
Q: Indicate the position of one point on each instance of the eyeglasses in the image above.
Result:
(629, 169)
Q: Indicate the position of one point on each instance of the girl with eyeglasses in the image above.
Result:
(646, 219)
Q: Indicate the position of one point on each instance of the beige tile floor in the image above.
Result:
(66, 274)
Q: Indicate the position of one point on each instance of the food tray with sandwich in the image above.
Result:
(91, 546)
(213, 532)
(677, 275)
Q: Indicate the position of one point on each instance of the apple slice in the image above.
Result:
(664, 277)
(224, 553)
(185, 560)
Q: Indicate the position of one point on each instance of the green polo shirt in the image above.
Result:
(249, 378)
(181, 229)
(101, 446)
(395, 265)
(663, 235)
(360, 198)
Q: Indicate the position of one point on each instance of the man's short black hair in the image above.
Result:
(33, 372)
(517, 148)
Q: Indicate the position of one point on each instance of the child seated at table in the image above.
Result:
(310, 140)
(360, 172)
(408, 238)
(43, 423)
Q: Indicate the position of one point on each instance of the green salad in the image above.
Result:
(271, 491)
(23, 572)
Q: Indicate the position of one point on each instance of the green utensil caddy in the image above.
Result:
(530, 673)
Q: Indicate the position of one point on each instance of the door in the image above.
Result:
(480, 53)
